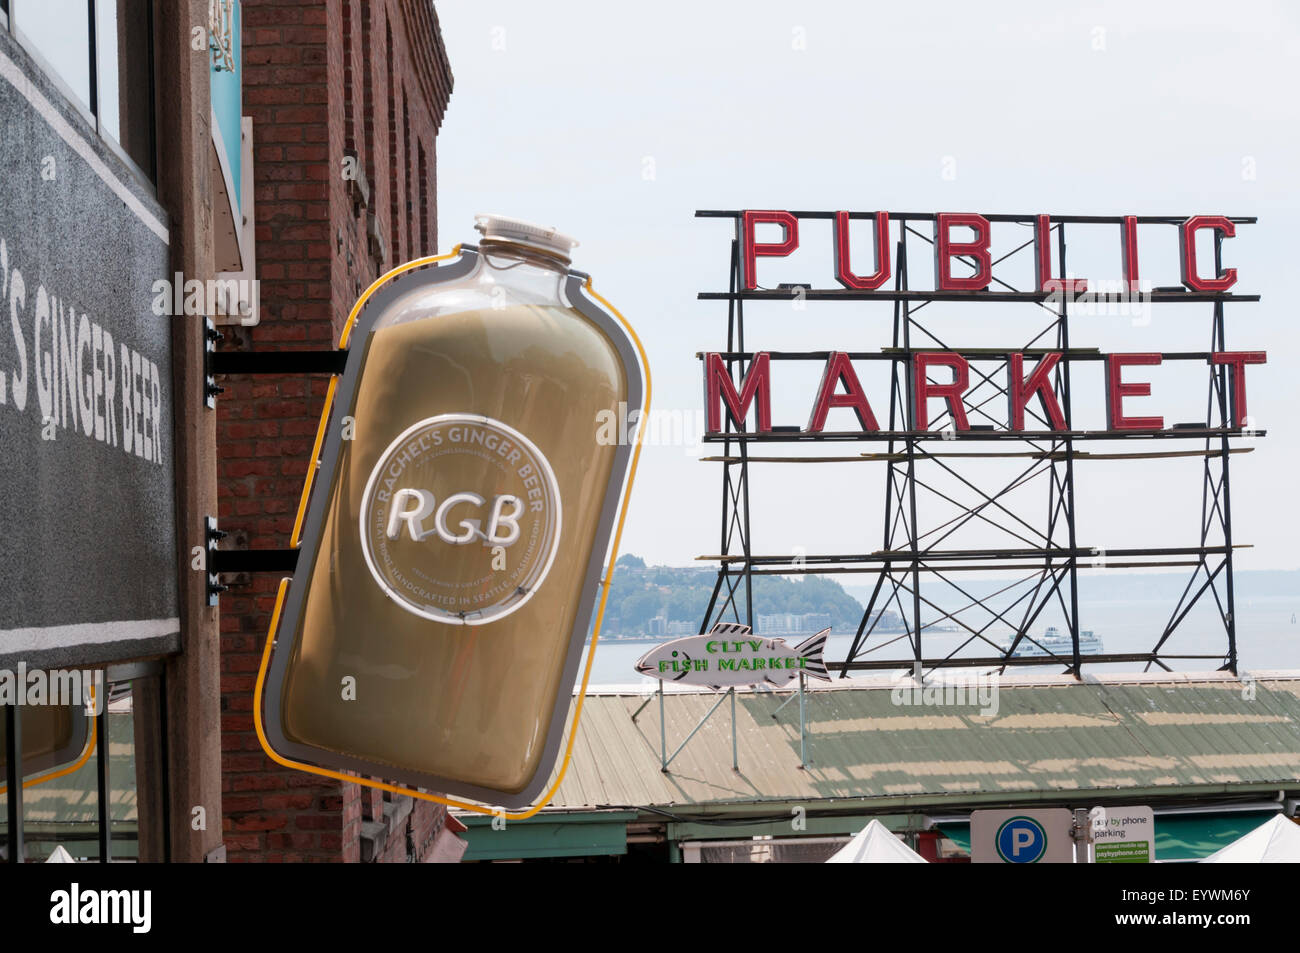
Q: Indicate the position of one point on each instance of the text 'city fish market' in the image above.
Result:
(729, 655)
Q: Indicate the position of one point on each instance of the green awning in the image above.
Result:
(1193, 836)
(958, 833)
(586, 835)
(1178, 836)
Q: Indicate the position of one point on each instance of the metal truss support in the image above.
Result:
(735, 534)
(665, 759)
(916, 568)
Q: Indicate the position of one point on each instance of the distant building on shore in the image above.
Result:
(787, 623)
(661, 626)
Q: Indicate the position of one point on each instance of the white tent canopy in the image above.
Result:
(1277, 841)
(874, 844)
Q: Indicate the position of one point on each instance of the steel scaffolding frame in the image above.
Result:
(1048, 555)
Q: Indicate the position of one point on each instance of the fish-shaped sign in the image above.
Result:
(730, 654)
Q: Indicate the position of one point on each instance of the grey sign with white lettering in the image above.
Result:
(87, 513)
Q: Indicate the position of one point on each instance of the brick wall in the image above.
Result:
(316, 83)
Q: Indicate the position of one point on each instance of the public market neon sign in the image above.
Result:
(1029, 374)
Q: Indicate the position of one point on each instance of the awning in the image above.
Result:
(580, 835)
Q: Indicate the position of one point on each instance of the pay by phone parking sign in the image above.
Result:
(1022, 837)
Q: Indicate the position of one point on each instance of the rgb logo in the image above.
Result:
(442, 550)
(1021, 840)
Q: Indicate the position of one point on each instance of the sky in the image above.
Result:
(615, 122)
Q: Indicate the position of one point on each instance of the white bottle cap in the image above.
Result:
(541, 237)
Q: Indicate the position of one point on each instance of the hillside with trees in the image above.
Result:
(639, 593)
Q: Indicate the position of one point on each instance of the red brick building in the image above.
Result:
(346, 97)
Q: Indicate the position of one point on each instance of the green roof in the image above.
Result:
(1205, 736)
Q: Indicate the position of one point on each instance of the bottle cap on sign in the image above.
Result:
(542, 237)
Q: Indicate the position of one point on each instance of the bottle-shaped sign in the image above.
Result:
(454, 543)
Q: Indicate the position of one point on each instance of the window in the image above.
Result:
(409, 164)
(124, 77)
(349, 77)
(367, 90)
(91, 784)
(394, 172)
(58, 33)
(101, 53)
(424, 186)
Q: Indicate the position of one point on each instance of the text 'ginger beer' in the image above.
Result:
(454, 544)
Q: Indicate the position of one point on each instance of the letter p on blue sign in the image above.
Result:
(1021, 840)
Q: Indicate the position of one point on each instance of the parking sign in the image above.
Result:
(1022, 837)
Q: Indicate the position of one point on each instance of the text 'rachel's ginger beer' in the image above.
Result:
(454, 543)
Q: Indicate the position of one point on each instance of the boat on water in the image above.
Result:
(1056, 642)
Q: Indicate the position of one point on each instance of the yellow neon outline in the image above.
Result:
(296, 538)
(600, 611)
(67, 769)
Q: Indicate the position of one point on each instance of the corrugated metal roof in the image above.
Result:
(1047, 735)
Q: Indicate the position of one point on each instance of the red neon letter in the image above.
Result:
(751, 249)
(1117, 390)
(1237, 361)
(945, 248)
(843, 273)
(1128, 242)
(1020, 389)
(1043, 261)
(924, 390)
(756, 388)
(1187, 244)
(838, 368)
